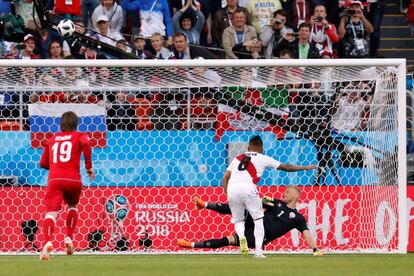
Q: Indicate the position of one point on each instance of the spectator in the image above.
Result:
(104, 33)
(112, 11)
(71, 75)
(122, 45)
(184, 51)
(238, 33)
(121, 114)
(153, 14)
(323, 34)
(55, 50)
(299, 11)
(353, 30)
(251, 49)
(223, 18)
(24, 9)
(5, 7)
(157, 42)
(206, 76)
(285, 54)
(70, 9)
(29, 76)
(139, 45)
(262, 12)
(29, 51)
(203, 112)
(47, 80)
(375, 14)
(301, 47)
(351, 108)
(43, 39)
(87, 8)
(183, 22)
(272, 35)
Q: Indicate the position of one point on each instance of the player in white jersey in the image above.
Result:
(239, 183)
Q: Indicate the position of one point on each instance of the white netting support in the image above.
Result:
(164, 131)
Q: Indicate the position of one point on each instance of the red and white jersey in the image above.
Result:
(246, 169)
(72, 7)
(62, 155)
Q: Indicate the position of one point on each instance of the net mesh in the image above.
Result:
(163, 135)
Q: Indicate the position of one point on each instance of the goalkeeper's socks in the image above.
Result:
(48, 228)
(71, 221)
(218, 207)
(214, 243)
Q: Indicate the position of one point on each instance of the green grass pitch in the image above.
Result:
(211, 265)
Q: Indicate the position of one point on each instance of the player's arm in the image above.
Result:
(295, 168)
(225, 180)
(303, 228)
(44, 160)
(272, 163)
(311, 243)
(87, 154)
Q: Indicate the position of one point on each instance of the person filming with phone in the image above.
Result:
(354, 30)
(323, 34)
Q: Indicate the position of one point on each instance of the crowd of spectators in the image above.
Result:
(335, 28)
(190, 29)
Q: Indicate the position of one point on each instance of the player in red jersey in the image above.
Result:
(61, 157)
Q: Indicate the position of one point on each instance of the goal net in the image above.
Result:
(165, 131)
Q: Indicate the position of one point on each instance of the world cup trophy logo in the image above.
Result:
(117, 210)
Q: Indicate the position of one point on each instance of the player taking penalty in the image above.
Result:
(280, 217)
(61, 157)
(239, 183)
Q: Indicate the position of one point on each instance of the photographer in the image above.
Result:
(273, 34)
(323, 34)
(300, 47)
(354, 29)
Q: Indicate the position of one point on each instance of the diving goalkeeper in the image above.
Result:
(280, 216)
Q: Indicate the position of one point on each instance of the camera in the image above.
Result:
(278, 21)
(319, 19)
(347, 12)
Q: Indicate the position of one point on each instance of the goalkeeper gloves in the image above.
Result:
(267, 201)
(316, 252)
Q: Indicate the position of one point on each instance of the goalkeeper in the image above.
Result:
(280, 216)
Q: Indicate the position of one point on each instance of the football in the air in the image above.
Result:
(66, 27)
(117, 207)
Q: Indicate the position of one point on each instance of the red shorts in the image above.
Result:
(62, 189)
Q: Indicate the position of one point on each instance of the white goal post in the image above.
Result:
(164, 131)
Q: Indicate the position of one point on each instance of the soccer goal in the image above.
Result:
(164, 132)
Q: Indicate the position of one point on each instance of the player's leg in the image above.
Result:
(52, 201)
(71, 196)
(213, 243)
(237, 207)
(220, 208)
(254, 207)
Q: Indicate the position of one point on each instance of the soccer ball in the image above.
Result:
(117, 207)
(66, 27)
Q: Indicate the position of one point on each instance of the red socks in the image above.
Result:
(71, 221)
(48, 227)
